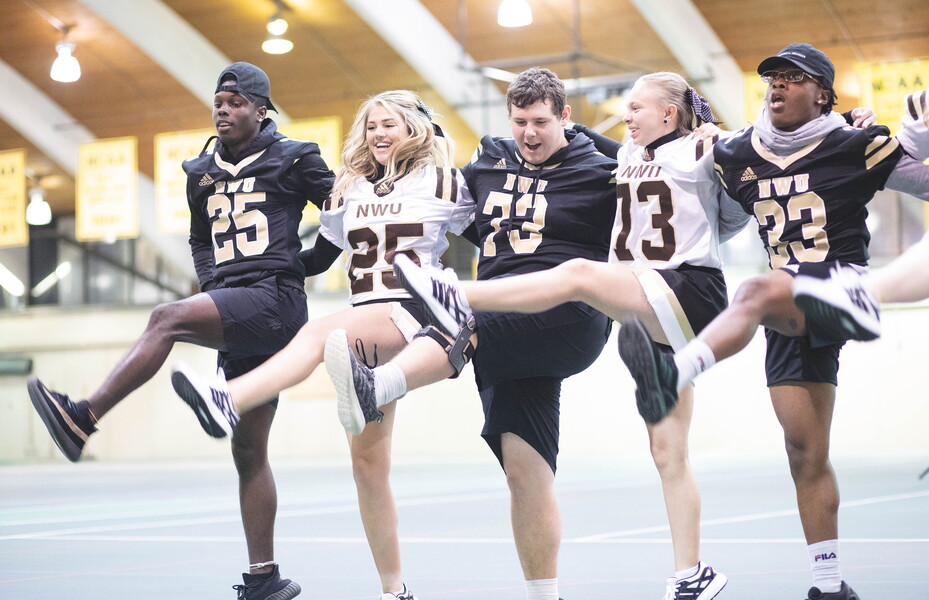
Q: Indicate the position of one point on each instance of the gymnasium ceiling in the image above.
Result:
(149, 66)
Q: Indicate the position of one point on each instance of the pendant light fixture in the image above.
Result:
(65, 69)
(514, 13)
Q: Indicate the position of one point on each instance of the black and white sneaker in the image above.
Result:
(353, 382)
(209, 400)
(68, 422)
(437, 292)
(705, 585)
(841, 307)
(405, 594)
(654, 374)
(266, 588)
(844, 593)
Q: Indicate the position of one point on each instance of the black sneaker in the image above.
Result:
(353, 382)
(655, 376)
(69, 423)
(840, 307)
(844, 593)
(272, 588)
(705, 585)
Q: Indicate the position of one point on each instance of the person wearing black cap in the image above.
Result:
(807, 178)
(246, 196)
(396, 194)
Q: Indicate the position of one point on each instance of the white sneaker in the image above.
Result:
(437, 292)
(209, 400)
(406, 594)
(705, 585)
(670, 588)
(839, 307)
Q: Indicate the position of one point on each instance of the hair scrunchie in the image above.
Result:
(701, 106)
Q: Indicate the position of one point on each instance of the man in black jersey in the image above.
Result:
(807, 178)
(246, 198)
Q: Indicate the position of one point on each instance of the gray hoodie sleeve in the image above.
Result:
(910, 176)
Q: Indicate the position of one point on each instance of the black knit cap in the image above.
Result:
(249, 79)
(807, 58)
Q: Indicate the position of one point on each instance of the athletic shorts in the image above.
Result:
(520, 362)
(685, 299)
(258, 321)
(810, 358)
(409, 319)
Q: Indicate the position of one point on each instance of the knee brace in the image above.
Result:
(460, 350)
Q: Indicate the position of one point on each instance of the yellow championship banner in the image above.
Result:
(13, 228)
(171, 149)
(754, 91)
(326, 132)
(107, 190)
(884, 85)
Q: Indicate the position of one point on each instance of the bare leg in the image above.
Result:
(370, 323)
(612, 289)
(195, 320)
(257, 493)
(669, 442)
(533, 508)
(371, 468)
(765, 300)
(805, 413)
(903, 279)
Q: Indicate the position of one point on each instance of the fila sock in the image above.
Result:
(693, 359)
(824, 563)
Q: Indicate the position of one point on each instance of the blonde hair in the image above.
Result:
(423, 148)
(673, 90)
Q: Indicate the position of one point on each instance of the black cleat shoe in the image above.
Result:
(353, 382)
(259, 588)
(655, 376)
(69, 423)
(844, 593)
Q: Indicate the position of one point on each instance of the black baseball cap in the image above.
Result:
(807, 58)
(249, 79)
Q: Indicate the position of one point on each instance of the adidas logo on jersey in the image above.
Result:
(748, 175)
(206, 180)
(501, 164)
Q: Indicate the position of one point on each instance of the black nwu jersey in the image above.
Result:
(245, 211)
(534, 217)
(810, 206)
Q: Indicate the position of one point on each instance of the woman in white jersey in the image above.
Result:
(395, 194)
(664, 268)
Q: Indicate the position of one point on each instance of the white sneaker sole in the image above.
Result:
(339, 367)
(419, 285)
(200, 399)
(833, 310)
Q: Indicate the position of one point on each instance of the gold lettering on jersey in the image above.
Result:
(378, 210)
(246, 185)
(525, 184)
(783, 186)
(641, 172)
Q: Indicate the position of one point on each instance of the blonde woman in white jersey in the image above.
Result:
(394, 195)
(664, 268)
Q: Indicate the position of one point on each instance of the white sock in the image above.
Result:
(824, 562)
(542, 589)
(693, 359)
(389, 384)
(686, 573)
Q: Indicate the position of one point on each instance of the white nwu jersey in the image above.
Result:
(374, 222)
(668, 206)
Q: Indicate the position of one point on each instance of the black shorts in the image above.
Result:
(520, 362)
(810, 358)
(258, 321)
(685, 299)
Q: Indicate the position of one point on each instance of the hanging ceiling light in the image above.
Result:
(38, 211)
(65, 68)
(276, 42)
(514, 13)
